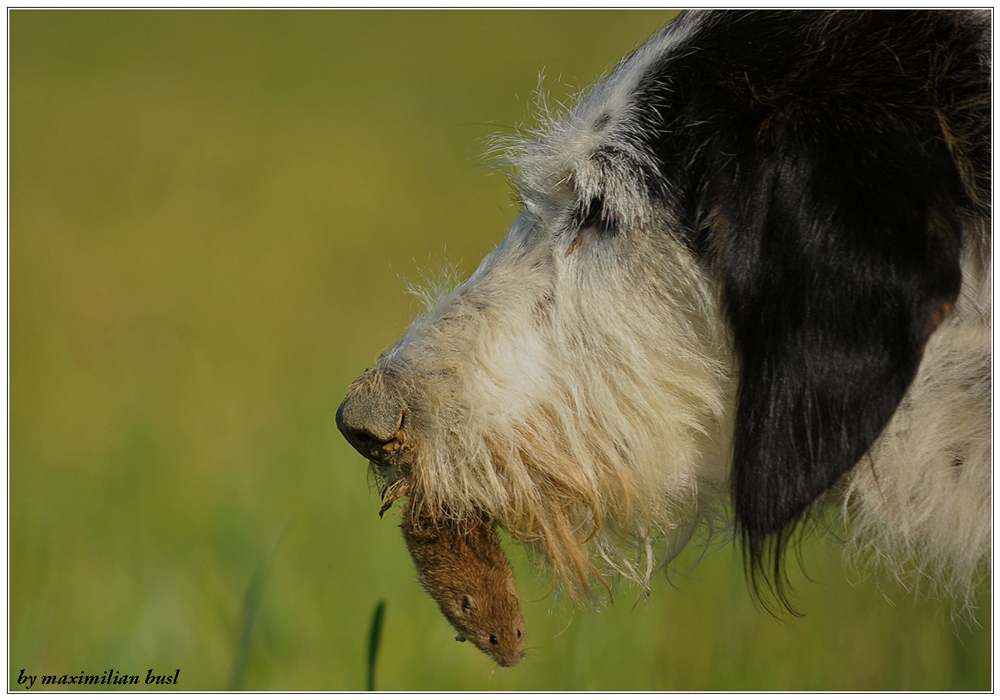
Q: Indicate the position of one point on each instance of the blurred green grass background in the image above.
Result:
(212, 215)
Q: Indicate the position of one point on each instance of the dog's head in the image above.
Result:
(731, 255)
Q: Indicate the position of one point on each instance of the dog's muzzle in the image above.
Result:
(372, 418)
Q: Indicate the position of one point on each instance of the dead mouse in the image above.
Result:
(464, 569)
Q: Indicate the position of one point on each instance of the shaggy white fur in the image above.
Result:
(919, 505)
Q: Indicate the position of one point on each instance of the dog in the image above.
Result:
(750, 284)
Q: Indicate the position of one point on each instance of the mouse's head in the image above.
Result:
(464, 569)
(488, 614)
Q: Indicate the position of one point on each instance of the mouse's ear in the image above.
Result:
(839, 254)
(466, 604)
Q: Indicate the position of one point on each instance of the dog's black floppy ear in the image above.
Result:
(839, 253)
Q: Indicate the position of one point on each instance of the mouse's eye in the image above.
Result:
(519, 634)
(493, 640)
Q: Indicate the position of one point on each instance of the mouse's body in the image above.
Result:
(464, 569)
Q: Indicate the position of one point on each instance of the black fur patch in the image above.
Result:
(823, 164)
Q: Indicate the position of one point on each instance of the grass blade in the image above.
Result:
(374, 638)
(250, 605)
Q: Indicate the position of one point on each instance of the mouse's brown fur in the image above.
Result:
(464, 569)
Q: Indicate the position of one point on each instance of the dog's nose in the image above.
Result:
(371, 418)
